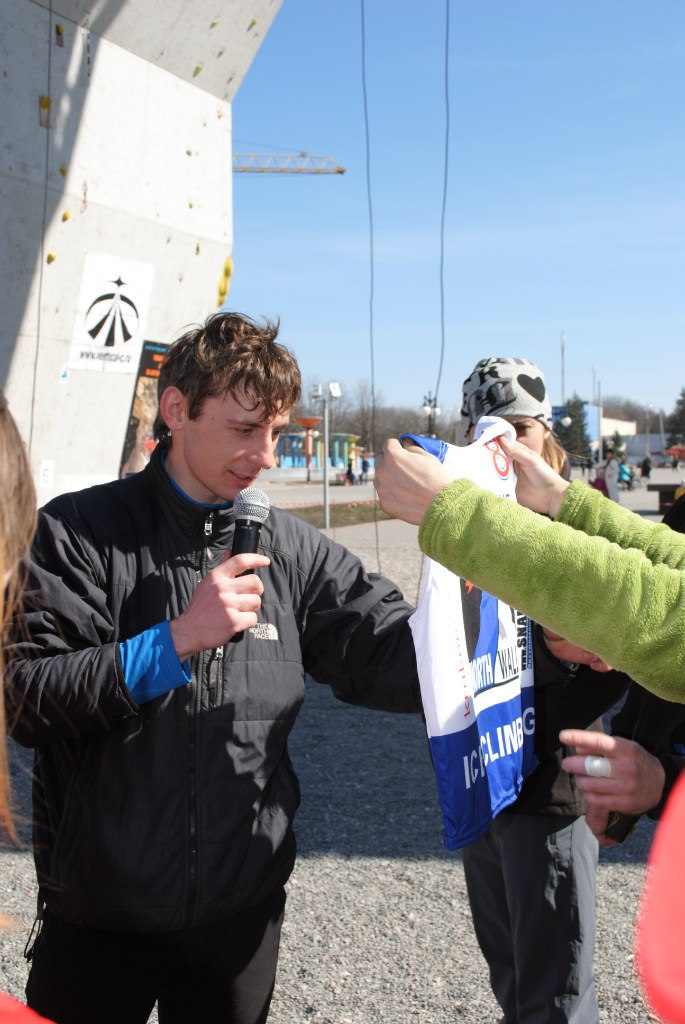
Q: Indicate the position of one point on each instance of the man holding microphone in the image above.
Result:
(164, 795)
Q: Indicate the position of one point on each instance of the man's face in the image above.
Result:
(222, 450)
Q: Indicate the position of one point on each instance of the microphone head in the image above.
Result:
(251, 503)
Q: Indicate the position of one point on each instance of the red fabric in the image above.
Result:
(599, 485)
(12, 1012)
(660, 937)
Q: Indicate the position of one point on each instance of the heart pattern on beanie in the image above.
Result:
(535, 386)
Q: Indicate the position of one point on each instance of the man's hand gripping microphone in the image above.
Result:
(250, 510)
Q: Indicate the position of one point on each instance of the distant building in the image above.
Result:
(626, 428)
(641, 444)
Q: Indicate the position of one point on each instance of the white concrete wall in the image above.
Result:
(136, 165)
(626, 428)
(210, 43)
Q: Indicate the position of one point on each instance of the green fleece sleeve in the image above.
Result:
(615, 602)
(587, 510)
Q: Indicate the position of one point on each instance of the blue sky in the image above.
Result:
(565, 204)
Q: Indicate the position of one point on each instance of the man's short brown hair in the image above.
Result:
(230, 354)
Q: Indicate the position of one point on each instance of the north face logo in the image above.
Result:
(264, 631)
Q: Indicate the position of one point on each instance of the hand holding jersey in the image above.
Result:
(538, 486)
(408, 481)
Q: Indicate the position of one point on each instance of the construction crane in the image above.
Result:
(284, 163)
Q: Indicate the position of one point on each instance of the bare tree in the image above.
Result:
(615, 407)
(361, 413)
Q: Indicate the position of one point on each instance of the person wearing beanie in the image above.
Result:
(515, 390)
(531, 878)
(605, 576)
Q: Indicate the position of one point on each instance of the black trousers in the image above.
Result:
(221, 972)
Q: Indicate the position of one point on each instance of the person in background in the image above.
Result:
(598, 481)
(531, 878)
(158, 677)
(611, 475)
(646, 467)
(626, 475)
(17, 523)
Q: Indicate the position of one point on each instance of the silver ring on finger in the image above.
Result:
(598, 767)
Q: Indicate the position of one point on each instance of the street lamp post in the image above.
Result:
(563, 355)
(647, 428)
(325, 394)
(308, 422)
(430, 407)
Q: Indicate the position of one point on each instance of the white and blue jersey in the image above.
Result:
(475, 665)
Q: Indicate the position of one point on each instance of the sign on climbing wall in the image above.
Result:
(111, 314)
(139, 442)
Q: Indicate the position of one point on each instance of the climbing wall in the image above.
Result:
(115, 157)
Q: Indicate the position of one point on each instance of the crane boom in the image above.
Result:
(284, 163)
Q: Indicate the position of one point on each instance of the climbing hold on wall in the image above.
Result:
(225, 281)
(51, 257)
(44, 104)
(66, 215)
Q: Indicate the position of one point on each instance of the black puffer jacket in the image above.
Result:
(179, 812)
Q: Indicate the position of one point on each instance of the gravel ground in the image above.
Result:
(377, 925)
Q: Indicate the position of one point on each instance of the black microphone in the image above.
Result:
(250, 511)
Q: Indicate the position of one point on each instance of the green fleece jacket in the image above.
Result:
(598, 574)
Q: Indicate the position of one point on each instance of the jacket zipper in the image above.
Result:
(216, 670)
(195, 704)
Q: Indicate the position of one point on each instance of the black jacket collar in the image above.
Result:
(180, 514)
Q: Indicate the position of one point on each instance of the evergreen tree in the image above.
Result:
(574, 438)
(618, 445)
(675, 423)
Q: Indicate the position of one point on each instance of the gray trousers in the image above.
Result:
(531, 886)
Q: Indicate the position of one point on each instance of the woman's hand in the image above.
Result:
(538, 487)
(407, 481)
